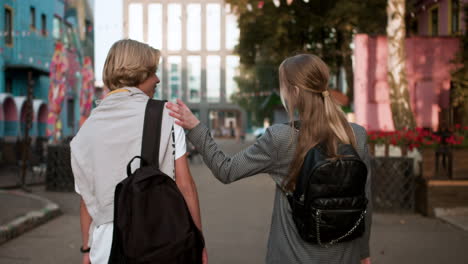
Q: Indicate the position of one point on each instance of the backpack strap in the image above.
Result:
(152, 131)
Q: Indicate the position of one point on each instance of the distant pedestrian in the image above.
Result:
(281, 152)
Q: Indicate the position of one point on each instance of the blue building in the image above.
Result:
(29, 30)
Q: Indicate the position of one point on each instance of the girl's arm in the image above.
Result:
(257, 158)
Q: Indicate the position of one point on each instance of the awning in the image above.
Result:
(26, 68)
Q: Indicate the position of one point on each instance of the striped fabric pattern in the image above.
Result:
(272, 154)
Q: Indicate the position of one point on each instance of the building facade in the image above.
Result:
(26, 45)
(29, 33)
(197, 39)
(428, 72)
(438, 17)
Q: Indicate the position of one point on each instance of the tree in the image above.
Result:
(269, 34)
(399, 96)
(459, 94)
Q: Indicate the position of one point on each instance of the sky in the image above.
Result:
(109, 28)
(108, 25)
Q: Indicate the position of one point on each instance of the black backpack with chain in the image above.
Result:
(152, 223)
(329, 201)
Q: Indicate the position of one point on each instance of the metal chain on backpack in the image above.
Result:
(334, 241)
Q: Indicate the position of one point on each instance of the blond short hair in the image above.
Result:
(129, 63)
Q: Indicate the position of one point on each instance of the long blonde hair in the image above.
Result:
(304, 86)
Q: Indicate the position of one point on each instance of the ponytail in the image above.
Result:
(303, 82)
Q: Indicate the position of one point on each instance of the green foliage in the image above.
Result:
(270, 34)
(460, 75)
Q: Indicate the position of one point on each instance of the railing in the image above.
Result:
(393, 184)
(59, 176)
(11, 163)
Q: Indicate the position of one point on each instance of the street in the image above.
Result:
(236, 222)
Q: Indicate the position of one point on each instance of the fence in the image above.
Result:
(393, 184)
(11, 163)
(59, 175)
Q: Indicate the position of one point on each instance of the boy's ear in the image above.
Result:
(296, 90)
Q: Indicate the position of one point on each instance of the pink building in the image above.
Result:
(438, 17)
(428, 67)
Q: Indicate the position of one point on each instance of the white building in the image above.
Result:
(196, 38)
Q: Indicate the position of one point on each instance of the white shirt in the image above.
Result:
(101, 150)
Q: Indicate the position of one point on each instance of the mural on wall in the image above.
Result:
(57, 89)
(87, 90)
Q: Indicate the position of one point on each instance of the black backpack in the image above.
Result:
(152, 223)
(329, 201)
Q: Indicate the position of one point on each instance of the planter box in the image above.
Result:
(427, 163)
(459, 166)
(432, 194)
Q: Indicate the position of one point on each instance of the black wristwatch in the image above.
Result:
(82, 250)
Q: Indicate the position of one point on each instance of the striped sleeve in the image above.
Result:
(257, 158)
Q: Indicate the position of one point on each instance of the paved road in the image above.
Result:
(236, 220)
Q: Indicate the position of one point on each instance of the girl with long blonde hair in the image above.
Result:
(281, 151)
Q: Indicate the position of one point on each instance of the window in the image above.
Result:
(32, 22)
(413, 27)
(68, 36)
(434, 23)
(155, 33)
(232, 71)
(455, 16)
(57, 28)
(88, 28)
(174, 27)
(8, 85)
(232, 31)
(194, 27)
(135, 23)
(213, 78)
(8, 26)
(159, 73)
(71, 113)
(44, 25)
(175, 80)
(213, 26)
(194, 78)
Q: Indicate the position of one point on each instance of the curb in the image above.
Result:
(457, 216)
(30, 220)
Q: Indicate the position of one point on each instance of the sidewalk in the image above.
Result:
(457, 216)
(22, 212)
(10, 177)
(235, 216)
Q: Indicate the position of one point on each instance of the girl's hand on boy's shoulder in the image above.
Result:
(184, 117)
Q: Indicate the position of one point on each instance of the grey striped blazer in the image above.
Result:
(272, 154)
